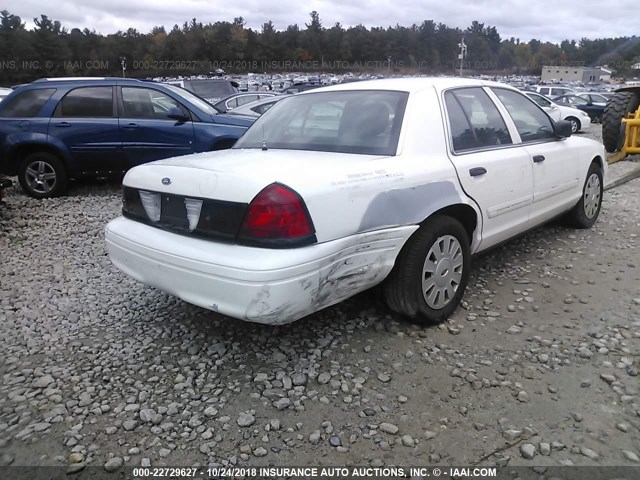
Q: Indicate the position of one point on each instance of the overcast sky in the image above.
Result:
(546, 20)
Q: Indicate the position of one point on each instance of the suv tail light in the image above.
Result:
(277, 217)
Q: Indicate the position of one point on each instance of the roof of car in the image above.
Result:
(88, 80)
(410, 84)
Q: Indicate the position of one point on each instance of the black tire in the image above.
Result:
(43, 163)
(575, 124)
(583, 215)
(617, 108)
(403, 288)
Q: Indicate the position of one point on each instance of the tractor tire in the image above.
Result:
(617, 108)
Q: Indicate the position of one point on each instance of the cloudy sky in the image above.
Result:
(546, 20)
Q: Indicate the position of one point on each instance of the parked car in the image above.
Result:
(211, 89)
(299, 87)
(335, 190)
(595, 98)
(580, 120)
(54, 130)
(594, 110)
(257, 108)
(238, 99)
(553, 92)
(4, 92)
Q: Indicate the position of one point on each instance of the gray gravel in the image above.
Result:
(538, 367)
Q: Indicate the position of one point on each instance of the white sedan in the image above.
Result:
(338, 189)
(579, 119)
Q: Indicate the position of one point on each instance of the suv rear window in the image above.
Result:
(210, 88)
(87, 102)
(26, 104)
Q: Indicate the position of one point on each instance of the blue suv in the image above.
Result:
(53, 130)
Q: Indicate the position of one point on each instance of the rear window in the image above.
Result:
(26, 104)
(362, 121)
(87, 102)
(209, 89)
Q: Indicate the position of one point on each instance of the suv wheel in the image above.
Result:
(42, 175)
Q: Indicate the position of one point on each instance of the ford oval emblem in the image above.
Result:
(166, 181)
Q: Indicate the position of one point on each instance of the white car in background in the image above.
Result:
(4, 92)
(553, 92)
(338, 189)
(579, 119)
(257, 107)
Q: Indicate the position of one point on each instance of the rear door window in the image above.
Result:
(474, 120)
(148, 103)
(26, 104)
(86, 102)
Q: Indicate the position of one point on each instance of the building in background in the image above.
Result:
(575, 74)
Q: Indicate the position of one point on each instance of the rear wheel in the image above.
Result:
(431, 272)
(585, 213)
(575, 124)
(42, 175)
(617, 108)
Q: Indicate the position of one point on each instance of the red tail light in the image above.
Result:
(278, 213)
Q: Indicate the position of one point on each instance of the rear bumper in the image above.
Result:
(254, 284)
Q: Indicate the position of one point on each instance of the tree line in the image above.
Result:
(50, 49)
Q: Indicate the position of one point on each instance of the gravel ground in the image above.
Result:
(539, 366)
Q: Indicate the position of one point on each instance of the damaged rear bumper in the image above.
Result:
(255, 284)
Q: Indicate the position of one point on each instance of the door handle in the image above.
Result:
(63, 124)
(477, 171)
(131, 125)
(538, 158)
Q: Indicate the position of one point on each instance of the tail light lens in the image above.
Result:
(277, 216)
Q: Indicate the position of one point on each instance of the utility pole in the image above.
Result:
(463, 53)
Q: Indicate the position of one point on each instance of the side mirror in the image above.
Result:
(176, 114)
(562, 129)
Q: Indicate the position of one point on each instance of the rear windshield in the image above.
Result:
(197, 101)
(26, 104)
(208, 88)
(357, 121)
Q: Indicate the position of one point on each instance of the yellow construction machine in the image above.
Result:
(621, 123)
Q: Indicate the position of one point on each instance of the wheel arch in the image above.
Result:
(598, 161)
(20, 152)
(462, 212)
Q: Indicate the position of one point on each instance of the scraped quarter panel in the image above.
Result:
(406, 206)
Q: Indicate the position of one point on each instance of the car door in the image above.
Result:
(555, 169)
(493, 171)
(147, 131)
(85, 122)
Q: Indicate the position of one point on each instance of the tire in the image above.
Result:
(617, 108)
(42, 175)
(585, 213)
(405, 286)
(575, 124)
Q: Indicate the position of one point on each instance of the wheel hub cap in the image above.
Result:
(442, 272)
(592, 196)
(40, 176)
